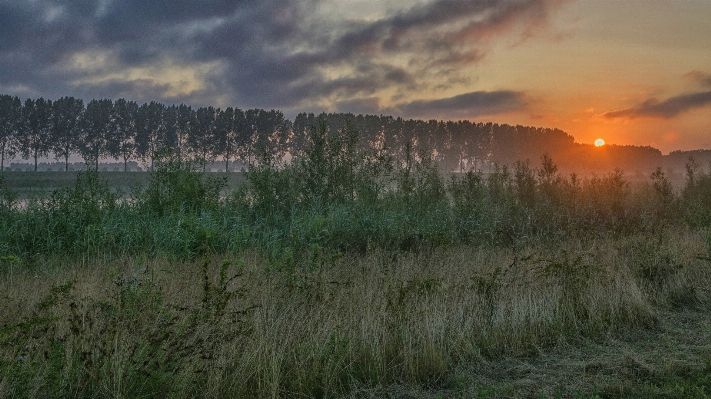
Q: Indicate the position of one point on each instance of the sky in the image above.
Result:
(633, 72)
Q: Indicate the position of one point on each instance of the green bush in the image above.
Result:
(343, 199)
(178, 186)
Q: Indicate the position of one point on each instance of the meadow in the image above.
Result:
(353, 274)
(27, 184)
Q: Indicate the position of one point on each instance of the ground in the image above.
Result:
(671, 361)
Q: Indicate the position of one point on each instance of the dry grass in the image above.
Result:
(351, 325)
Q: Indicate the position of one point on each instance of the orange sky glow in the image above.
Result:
(600, 57)
(630, 72)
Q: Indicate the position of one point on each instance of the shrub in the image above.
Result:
(178, 186)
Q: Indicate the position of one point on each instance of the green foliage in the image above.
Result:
(8, 197)
(664, 194)
(271, 193)
(343, 198)
(525, 184)
(88, 198)
(696, 195)
(328, 169)
(178, 186)
(70, 221)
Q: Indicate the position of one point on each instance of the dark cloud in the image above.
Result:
(370, 105)
(271, 53)
(470, 104)
(666, 109)
(699, 77)
(138, 89)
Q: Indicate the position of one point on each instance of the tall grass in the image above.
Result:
(327, 327)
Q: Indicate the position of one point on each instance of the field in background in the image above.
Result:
(43, 183)
(30, 184)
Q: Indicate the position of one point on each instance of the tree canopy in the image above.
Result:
(126, 131)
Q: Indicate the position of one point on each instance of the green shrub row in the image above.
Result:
(339, 199)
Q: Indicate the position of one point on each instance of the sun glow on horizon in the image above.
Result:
(599, 143)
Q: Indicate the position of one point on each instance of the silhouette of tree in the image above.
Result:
(228, 125)
(268, 133)
(10, 124)
(202, 140)
(184, 124)
(122, 134)
(35, 134)
(66, 128)
(98, 121)
(150, 131)
(301, 127)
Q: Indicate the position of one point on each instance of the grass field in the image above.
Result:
(577, 319)
(341, 276)
(43, 183)
(32, 184)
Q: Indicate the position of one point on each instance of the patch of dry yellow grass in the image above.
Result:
(340, 325)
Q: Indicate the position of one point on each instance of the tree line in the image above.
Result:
(126, 131)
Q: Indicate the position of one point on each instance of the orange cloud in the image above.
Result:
(666, 109)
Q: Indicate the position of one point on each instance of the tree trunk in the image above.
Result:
(66, 162)
(227, 158)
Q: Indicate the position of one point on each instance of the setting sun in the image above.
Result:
(599, 143)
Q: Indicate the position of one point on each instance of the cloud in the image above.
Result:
(469, 104)
(166, 78)
(699, 77)
(270, 53)
(666, 109)
(370, 105)
(545, 118)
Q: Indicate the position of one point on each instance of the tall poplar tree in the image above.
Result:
(201, 141)
(35, 134)
(150, 130)
(228, 125)
(66, 128)
(122, 133)
(184, 125)
(301, 128)
(98, 119)
(10, 122)
(268, 133)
